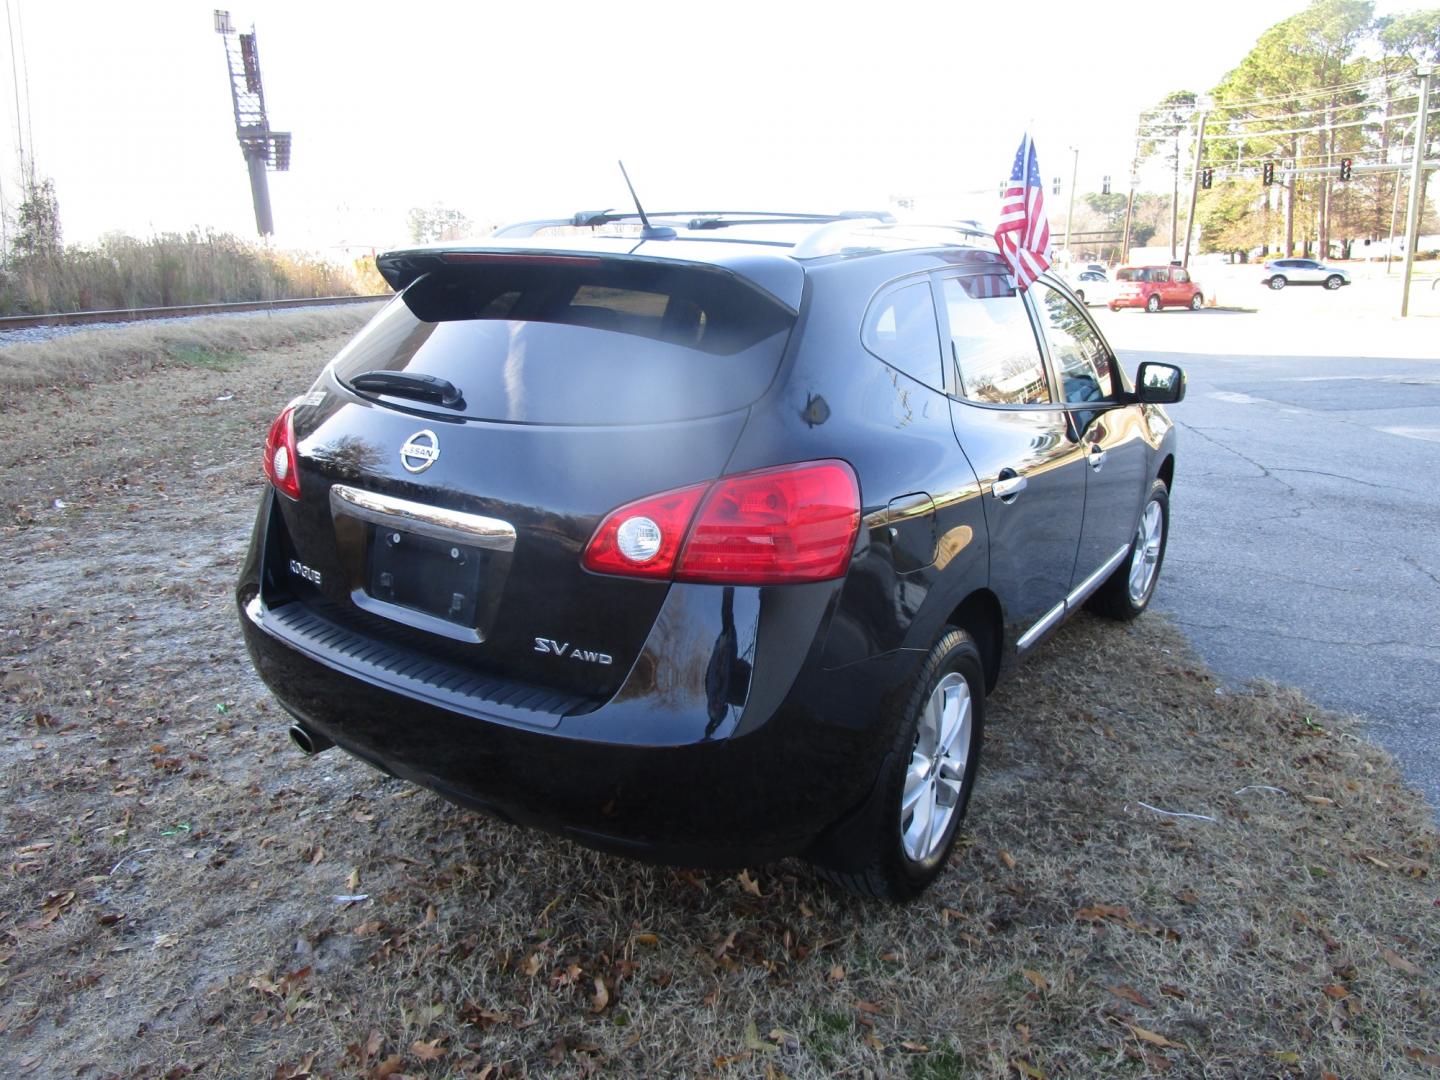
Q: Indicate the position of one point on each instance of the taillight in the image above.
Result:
(772, 526)
(280, 461)
(642, 538)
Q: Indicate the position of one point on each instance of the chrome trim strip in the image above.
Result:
(433, 521)
(1049, 619)
(1075, 599)
(1095, 580)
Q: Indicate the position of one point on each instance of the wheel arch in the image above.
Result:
(980, 616)
(1167, 472)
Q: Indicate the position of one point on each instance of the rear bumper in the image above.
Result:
(1127, 301)
(726, 744)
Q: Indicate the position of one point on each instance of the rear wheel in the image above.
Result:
(1277, 282)
(1152, 303)
(1197, 302)
(1334, 281)
(908, 828)
(1127, 592)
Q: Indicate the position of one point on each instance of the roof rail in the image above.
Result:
(854, 236)
(694, 219)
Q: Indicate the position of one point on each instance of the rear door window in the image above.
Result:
(900, 328)
(995, 354)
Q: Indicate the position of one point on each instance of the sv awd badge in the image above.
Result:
(562, 648)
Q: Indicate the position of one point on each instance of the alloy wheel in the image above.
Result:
(1146, 557)
(936, 775)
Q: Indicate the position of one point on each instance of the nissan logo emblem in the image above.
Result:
(420, 451)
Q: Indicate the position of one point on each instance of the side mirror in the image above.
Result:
(1159, 384)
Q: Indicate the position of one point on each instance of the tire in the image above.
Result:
(1197, 302)
(1127, 592)
(1114, 307)
(1152, 302)
(1334, 281)
(1277, 282)
(887, 853)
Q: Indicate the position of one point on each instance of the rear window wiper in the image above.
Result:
(410, 384)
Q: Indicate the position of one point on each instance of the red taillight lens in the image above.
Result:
(789, 524)
(642, 538)
(281, 466)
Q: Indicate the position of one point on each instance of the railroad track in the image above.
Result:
(78, 318)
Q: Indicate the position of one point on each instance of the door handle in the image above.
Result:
(1097, 456)
(1008, 485)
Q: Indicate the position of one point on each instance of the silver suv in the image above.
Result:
(1282, 272)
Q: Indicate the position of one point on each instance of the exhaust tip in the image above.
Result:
(309, 742)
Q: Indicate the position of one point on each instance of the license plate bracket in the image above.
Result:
(435, 577)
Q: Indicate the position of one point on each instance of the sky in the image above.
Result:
(518, 111)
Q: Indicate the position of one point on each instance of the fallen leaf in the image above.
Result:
(1101, 912)
(352, 882)
(602, 996)
(748, 883)
(1153, 1038)
(753, 1040)
(870, 1007)
(837, 973)
(1414, 1053)
(1130, 994)
(645, 939)
(1024, 1068)
(428, 1051)
(387, 1068)
(1398, 962)
(166, 941)
(1039, 981)
(1335, 991)
(914, 1047)
(1287, 1057)
(1007, 859)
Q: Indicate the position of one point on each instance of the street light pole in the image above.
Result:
(1417, 187)
(1070, 214)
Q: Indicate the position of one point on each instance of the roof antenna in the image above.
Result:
(649, 232)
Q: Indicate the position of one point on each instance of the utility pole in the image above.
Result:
(1129, 214)
(1417, 187)
(1070, 214)
(1204, 105)
(1175, 196)
(1394, 215)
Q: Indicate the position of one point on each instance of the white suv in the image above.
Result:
(1282, 272)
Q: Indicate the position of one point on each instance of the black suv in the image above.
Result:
(704, 543)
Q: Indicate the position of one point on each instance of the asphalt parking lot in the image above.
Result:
(1304, 544)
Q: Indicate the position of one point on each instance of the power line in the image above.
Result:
(1297, 96)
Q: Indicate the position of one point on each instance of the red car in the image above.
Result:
(1156, 287)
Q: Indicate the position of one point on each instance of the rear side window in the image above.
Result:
(997, 360)
(900, 329)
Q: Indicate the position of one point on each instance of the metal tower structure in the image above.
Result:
(263, 149)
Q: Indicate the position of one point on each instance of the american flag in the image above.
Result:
(1024, 232)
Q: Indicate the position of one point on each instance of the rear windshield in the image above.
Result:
(578, 340)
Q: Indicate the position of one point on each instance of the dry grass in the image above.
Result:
(90, 356)
(168, 891)
(198, 267)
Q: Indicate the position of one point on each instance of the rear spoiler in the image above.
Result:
(780, 280)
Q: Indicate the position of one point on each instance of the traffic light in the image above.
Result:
(1345, 168)
(1105, 186)
(1269, 172)
(1056, 188)
(1207, 174)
